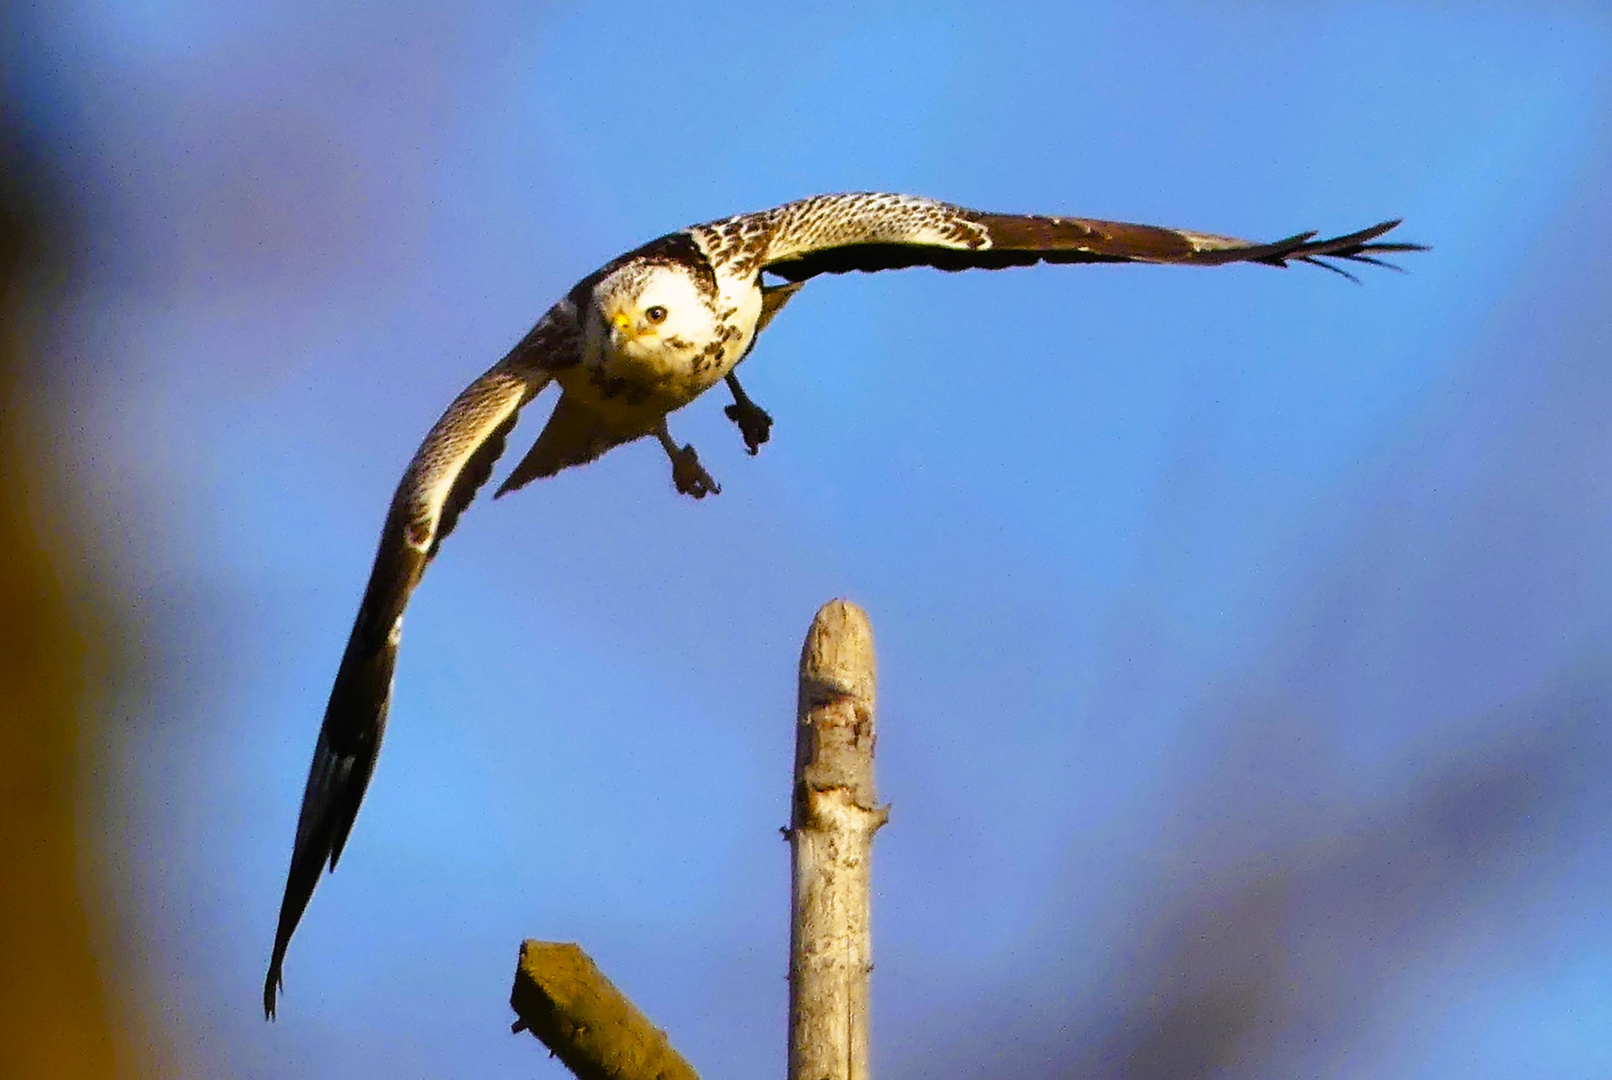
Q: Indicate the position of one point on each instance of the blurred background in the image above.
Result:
(1245, 635)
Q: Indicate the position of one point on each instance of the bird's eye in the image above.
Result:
(655, 314)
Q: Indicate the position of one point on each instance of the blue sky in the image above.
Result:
(1237, 607)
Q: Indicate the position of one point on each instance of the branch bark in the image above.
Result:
(564, 1000)
(834, 814)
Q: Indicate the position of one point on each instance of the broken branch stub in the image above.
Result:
(562, 998)
(834, 814)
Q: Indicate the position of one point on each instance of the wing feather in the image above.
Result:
(834, 234)
(452, 462)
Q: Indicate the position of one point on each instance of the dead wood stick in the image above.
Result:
(834, 814)
(563, 999)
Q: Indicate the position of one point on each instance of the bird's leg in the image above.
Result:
(754, 423)
(687, 472)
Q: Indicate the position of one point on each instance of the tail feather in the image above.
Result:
(574, 435)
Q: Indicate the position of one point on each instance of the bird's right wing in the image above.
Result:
(454, 461)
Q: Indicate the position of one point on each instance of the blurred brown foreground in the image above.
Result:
(54, 1018)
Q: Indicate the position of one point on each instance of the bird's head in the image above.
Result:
(645, 310)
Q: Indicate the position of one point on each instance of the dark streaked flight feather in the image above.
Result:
(838, 234)
(452, 462)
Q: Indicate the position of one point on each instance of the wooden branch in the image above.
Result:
(834, 814)
(564, 1000)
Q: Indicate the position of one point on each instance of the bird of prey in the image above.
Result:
(640, 338)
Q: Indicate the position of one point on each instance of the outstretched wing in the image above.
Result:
(833, 234)
(452, 463)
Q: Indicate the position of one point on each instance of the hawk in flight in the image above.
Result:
(637, 340)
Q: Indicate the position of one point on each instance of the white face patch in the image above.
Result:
(659, 337)
(655, 316)
(671, 305)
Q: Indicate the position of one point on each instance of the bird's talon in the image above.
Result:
(690, 476)
(755, 424)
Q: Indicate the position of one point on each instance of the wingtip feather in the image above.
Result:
(272, 986)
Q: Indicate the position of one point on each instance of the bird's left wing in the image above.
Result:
(451, 464)
(833, 234)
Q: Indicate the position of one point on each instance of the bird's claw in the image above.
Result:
(690, 476)
(754, 423)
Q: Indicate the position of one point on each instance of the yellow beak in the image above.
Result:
(623, 322)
